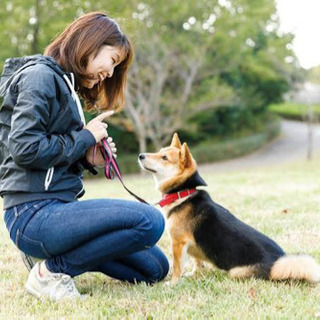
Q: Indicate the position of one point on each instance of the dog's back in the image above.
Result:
(228, 242)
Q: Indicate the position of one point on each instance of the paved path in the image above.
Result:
(291, 145)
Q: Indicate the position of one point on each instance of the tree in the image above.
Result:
(201, 55)
(28, 26)
(167, 68)
(191, 56)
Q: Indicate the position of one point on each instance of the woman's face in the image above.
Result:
(102, 65)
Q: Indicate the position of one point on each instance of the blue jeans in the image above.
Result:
(115, 237)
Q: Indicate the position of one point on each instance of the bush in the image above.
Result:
(221, 123)
(215, 149)
(294, 111)
(210, 151)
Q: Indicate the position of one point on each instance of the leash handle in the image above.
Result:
(112, 167)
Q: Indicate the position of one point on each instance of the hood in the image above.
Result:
(13, 66)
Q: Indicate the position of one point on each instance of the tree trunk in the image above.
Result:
(35, 41)
(142, 144)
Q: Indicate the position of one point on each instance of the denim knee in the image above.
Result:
(162, 270)
(152, 225)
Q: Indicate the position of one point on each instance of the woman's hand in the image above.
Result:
(97, 159)
(97, 127)
(112, 146)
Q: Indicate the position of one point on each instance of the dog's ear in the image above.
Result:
(175, 141)
(186, 156)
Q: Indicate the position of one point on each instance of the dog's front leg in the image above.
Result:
(197, 265)
(179, 252)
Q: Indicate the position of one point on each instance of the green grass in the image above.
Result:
(282, 202)
(295, 111)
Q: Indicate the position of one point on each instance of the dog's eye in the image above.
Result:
(164, 158)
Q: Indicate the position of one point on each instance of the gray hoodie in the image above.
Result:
(42, 140)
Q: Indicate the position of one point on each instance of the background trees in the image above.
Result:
(314, 75)
(200, 56)
(216, 64)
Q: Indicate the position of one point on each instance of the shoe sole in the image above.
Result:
(30, 290)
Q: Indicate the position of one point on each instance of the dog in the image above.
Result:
(209, 232)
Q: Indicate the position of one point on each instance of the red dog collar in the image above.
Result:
(172, 197)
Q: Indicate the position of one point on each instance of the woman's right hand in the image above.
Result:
(97, 127)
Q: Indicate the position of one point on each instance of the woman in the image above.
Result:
(44, 147)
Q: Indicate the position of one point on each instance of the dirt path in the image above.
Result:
(291, 145)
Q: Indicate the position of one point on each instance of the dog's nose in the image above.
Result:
(142, 156)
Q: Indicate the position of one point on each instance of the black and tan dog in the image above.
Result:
(209, 232)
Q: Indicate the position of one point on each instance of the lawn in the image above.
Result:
(296, 111)
(282, 202)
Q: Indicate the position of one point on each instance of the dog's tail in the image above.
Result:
(298, 267)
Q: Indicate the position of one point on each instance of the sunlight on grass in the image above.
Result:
(282, 202)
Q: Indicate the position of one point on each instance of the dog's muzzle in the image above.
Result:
(142, 157)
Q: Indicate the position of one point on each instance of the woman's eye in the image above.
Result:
(164, 158)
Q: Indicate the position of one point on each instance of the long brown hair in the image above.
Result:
(84, 37)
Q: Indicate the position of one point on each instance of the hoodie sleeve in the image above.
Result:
(29, 142)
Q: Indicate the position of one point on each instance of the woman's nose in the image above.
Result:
(110, 73)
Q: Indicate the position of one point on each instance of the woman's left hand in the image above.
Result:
(112, 146)
(97, 159)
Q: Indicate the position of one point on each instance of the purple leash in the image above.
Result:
(112, 167)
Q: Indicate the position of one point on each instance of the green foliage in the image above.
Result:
(228, 148)
(126, 141)
(295, 111)
(232, 50)
(313, 75)
(28, 26)
(226, 122)
(240, 58)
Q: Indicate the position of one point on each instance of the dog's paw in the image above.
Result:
(167, 284)
(172, 282)
(189, 274)
(195, 271)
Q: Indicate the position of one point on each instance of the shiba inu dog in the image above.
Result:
(208, 232)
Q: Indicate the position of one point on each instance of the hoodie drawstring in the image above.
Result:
(75, 96)
(48, 179)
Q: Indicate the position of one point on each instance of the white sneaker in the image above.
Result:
(55, 286)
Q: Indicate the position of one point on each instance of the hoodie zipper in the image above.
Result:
(48, 179)
(75, 97)
(71, 85)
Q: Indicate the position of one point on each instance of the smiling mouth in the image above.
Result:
(148, 169)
